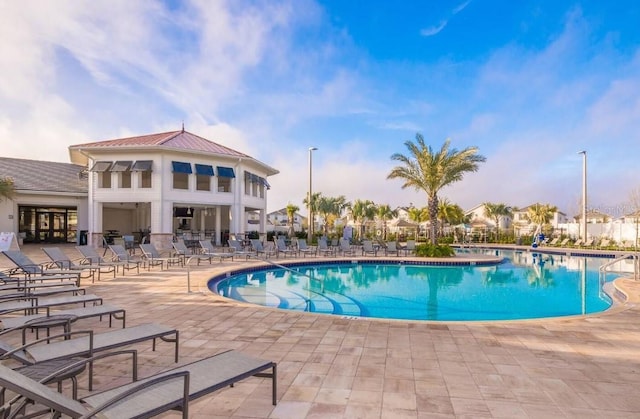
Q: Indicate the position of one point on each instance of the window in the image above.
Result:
(104, 175)
(123, 169)
(247, 183)
(181, 172)
(144, 167)
(225, 174)
(203, 177)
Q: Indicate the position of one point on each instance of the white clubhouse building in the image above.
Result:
(156, 186)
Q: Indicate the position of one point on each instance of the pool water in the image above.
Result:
(526, 285)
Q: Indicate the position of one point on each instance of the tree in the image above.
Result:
(361, 211)
(384, 213)
(449, 213)
(541, 214)
(291, 214)
(430, 171)
(331, 208)
(635, 206)
(497, 212)
(313, 205)
(7, 188)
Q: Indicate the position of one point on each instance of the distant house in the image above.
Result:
(478, 216)
(279, 218)
(594, 217)
(523, 225)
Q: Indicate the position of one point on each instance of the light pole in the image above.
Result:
(584, 195)
(310, 229)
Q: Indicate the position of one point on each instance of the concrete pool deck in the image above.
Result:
(333, 367)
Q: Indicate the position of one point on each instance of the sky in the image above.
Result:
(530, 83)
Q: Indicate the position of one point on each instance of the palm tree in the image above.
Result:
(384, 213)
(418, 215)
(331, 208)
(7, 188)
(541, 214)
(430, 171)
(291, 214)
(449, 213)
(361, 211)
(314, 206)
(497, 212)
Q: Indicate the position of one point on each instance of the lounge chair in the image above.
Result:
(266, 250)
(34, 352)
(120, 254)
(33, 304)
(37, 272)
(63, 261)
(588, 243)
(324, 249)
(576, 243)
(368, 249)
(100, 310)
(154, 257)
(236, 248)
(554, 241)
(604, 243)
(181, 249)
(306, 250)
(346, 249)
(281, 247)
(391, 248)
(172, 389)
(38, 289)
(564, 242)
(410, 248)
(209, 250)
(92, 257)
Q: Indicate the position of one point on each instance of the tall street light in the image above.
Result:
(310, 229)
(584, 195)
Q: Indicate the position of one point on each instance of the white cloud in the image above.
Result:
(433, 30)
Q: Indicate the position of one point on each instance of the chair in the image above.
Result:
(120, 254)
(91, 255)
(588, 243)
(604, 243)
(236, 248)
(208, 249)
(62, 261)
(266, 250)
(410, 248)
(181, 249)
(345, 248)
(368, 249)
(577, 243)
(172, 389)
(281, 247)
(154, 257)
(324, 249)
(554, 241)
(391, 248)
(80, 313)
(34, 352)
(36, 271)
(306, 250)
(564, 242)
(15, 289)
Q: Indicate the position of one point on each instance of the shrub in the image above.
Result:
(434, 251)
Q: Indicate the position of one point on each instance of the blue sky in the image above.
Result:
(530, 83)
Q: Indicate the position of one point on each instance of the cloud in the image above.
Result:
(460, 7)
(433, 30)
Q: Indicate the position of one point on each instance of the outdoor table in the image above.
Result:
(63, 320)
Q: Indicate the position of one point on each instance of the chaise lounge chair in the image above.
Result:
(346, 249)
(236, 248)
(181, 249)
(154, 257)
(12, 322)
(368, 249)
(391, 248)
(32, 304)
(209, 250)
(281, 247)
(324, 249)
(92, 257)
(36, 272)
(172, 389)
(120, 254)
(306, 250)
(266, 250)
(63, 262)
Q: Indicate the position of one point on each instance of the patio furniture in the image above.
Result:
(391, 248)
(265, 250)
(33, 304)
(236, 248)
(113, 312)
(120, 254)
(346, 249)
(63, 261)
(154, 257)
(181, 249)
(167, 390)
(410, 248)
(93, 258)
(324, 249)
(306, 250)
(281, 247)
(37, 272)
(209, 250)
(368, 249)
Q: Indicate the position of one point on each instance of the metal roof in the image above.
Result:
(44, 176)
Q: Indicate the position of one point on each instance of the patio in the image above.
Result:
(332, 367)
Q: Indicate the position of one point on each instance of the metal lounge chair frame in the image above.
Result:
(264, 250)
(31, 304)
(172, 389)
(120, 254)
(154, 257)
(368, 249)
(391, 247)
(324, 249)
(182, 250)
(236, 248)
(345, 248)
(36, 272)
(281, 247)
(209, 250)
(304, 249)
(63, 262)
(100, 310)
(93, 258)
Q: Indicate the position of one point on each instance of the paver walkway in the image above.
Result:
(332, 367)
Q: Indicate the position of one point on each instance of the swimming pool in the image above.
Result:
(526, 285)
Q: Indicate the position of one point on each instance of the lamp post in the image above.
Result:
(583, 224)
(310, 229)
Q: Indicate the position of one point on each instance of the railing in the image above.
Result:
(604, 268)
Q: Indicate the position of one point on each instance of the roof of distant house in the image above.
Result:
(44, 176)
